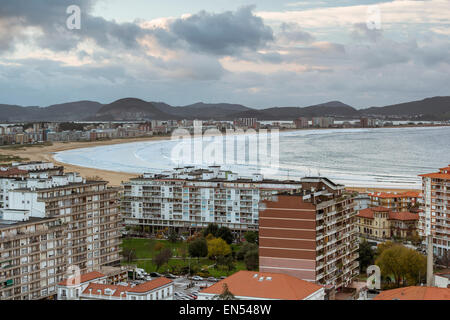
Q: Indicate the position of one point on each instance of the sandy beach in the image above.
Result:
(46, 153)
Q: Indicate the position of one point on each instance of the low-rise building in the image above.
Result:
(380, 223)
(396, 201)
(97, 286)
(253, 285)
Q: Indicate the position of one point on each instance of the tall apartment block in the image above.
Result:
(50, 222)
(435, 215)
(310, 234)
(189, 199)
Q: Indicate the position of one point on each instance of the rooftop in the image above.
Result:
(415, 293)
(266, 285)
(83, 278)
(403, 216)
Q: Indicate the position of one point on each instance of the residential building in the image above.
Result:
(252, 285)
(380, 223)
(415, 293)
(322, 122)
(311, 234)
(301, 123)
(442, 279)
(396, 201)
(189, 199)
(96, 286)
(87, 210)
(435, 217)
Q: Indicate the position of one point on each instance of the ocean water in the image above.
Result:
(381, 157)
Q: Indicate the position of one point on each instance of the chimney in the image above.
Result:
(429, 260)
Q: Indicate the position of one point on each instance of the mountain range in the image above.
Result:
(435, 108)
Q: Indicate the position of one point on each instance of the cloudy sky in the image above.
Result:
(260, 53)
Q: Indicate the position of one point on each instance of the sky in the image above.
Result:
(261, 54)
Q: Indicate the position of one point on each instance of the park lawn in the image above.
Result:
(145, 252)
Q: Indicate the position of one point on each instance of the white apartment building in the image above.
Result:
(87, 213)
(190, 198)
(435, 217)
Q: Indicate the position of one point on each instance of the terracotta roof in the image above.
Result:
(83, 278)
(410, 194)
(365, 213)
(438, 175)
(415, 293)
(380, 209)
(150, 285)
(102, 287)
(403, 215)
(273, 286)
(11, 172)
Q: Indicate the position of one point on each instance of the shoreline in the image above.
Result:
(46, 153)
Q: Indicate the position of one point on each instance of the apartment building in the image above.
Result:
(380, 223)
(87, 210)
(189, 199)
(435, 217)
(396, 201)
(310, 234)
(301, 122)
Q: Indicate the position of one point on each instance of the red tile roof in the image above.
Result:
(12, 172)
(404, 216)
(150, 285)
(83, 278)
(280, 286)
(409, 194)
(415, 293)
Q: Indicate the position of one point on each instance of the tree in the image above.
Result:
(246, 247)
(251, 236)
(218, 247)
(212, 228)
(162, 258)
(226, 234)
(183, 252)
(173, 236)
(403, 263)
(226, 294)
(366, 255)
(251, 260)
(198, 248)
(383, 246)
(227, 261)
(129, 254)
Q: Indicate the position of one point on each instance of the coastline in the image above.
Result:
(115, 178)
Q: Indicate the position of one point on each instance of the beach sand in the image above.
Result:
(45, 153)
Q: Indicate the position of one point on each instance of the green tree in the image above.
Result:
(218, 247)
(251, 260)
(251, 236)
(383, 246)
(198, 248)
(173, 236)
(226, 234)
(227, 262)
(366, 255)
(212, 228)
(129, 254)
(246, 247)
(162, 258)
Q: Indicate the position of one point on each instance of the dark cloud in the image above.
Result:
(220, 34)
(50, 16)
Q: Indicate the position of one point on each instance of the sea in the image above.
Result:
(359, 157)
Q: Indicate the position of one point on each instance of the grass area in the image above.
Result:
(22, 146)
(145, 251)
(8, 159)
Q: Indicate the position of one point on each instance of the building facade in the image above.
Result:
(189, 199)
(435, 215)
(403, 201)
(311, 235)
(88, 213)
(380, 223)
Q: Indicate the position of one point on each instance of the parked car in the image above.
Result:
(223, 277)
(155, 274)
(170, 276)
(197, 278)
(212, 279)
